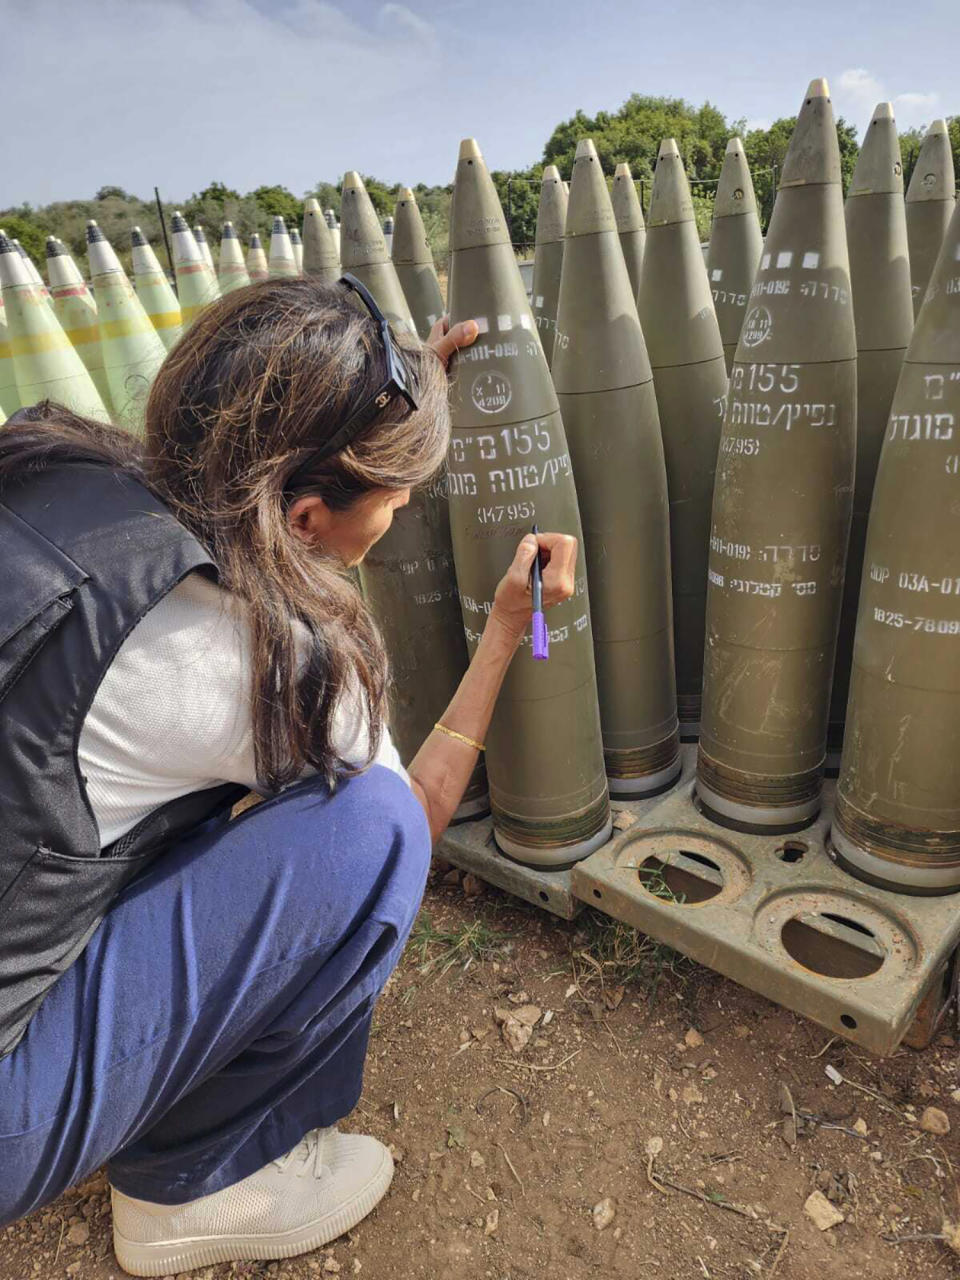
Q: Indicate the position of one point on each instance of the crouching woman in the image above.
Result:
(184, 997)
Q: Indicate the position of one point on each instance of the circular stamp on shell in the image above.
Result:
(491, 391)
(757, 327)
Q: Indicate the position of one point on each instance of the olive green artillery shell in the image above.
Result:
(154, 291)
(883, 313)
(414, 263)
(781, 513)
(46, 365)
(630, 225)
(9, 396)
(736, 242)
(605, 389)
(74, 307)
(363, 252)
(320, 254)
(548, 257)
(409, 582)
(930, 202)
(897, 820)
(509, 466)
(690, 377)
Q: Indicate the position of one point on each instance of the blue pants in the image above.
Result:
(222, 1008)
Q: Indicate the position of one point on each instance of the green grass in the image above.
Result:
(437, 950)
(616, 953)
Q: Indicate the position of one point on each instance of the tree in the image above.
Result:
(278, 201)
(113, 193)
(30, 235)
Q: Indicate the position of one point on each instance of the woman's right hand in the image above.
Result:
(512, 602)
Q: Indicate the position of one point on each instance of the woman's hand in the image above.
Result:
(512, 603)
(447, 341)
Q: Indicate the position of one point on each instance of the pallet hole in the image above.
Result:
(833, 945)
(544, 896)
(597, 893)
(792, 850)
(849, 1020)
(688, 878)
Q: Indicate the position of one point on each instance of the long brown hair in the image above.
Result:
(256, 385)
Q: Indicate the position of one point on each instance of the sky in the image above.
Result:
(179, 93)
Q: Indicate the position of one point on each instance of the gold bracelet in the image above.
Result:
(460, 737)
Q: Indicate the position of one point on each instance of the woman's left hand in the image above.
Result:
(447, 341)
(512, 603)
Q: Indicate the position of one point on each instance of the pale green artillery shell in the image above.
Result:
(9, 396)
(132, 349)
(320, 251)
(883, 312)
(510, 466)
(76, 310)
(605, 390)
(630, 224)
(47, 367)
(898, 802)
(781, 512)
(409, 582)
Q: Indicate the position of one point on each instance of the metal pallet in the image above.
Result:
(771, 912)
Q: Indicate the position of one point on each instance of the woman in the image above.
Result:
(186, 997)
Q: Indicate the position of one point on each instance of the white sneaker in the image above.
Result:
(319, 1190)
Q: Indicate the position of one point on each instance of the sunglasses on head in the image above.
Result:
(399, 382)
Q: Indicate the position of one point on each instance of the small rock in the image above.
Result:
(78, 1234)
(860, 1126)
(529, 1015)
(740, 1031)
(516, 1034)
(451, 877)
(518, 997)
(357, 1266)
(546, 1119)
(547, 1018)
(491, 1222)
(604, 1213)
(653, 1146)
(623, 819)
(693, 1039)
(877, 1156)
(472, 886)
(955, 1096)
(476, 1160)
(332, 1266)
(821, 1212)
(398, 1153)
(74, 1268)
(464, 1036)
(690, 1095)
(935, 1121)
(613, 997)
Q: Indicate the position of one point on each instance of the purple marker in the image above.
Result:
(541, 641)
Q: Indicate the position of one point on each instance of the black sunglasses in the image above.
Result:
(400, 382)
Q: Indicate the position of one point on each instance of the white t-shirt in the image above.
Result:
(172, 714)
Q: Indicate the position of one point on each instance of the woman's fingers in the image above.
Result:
(447, 339)
(559, 559)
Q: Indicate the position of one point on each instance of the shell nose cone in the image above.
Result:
(470, 150)
(668, 150)
(818, 89)
(585, 147)
(883, 111)
(94, 234)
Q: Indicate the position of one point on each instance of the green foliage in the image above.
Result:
(28, 233)
(278, 201)
(519, 192)
(113, 193)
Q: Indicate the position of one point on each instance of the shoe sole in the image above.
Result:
(168, 1257)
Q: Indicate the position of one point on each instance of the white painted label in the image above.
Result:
(765, 261)
(539, 300)
(525, 322)
(784, 259)
(483, 324)
(716, 273)
(504, 323)
(811, 261)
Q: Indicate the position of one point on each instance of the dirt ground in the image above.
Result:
(642, 1130)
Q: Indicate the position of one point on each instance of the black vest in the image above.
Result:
(85, 552)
